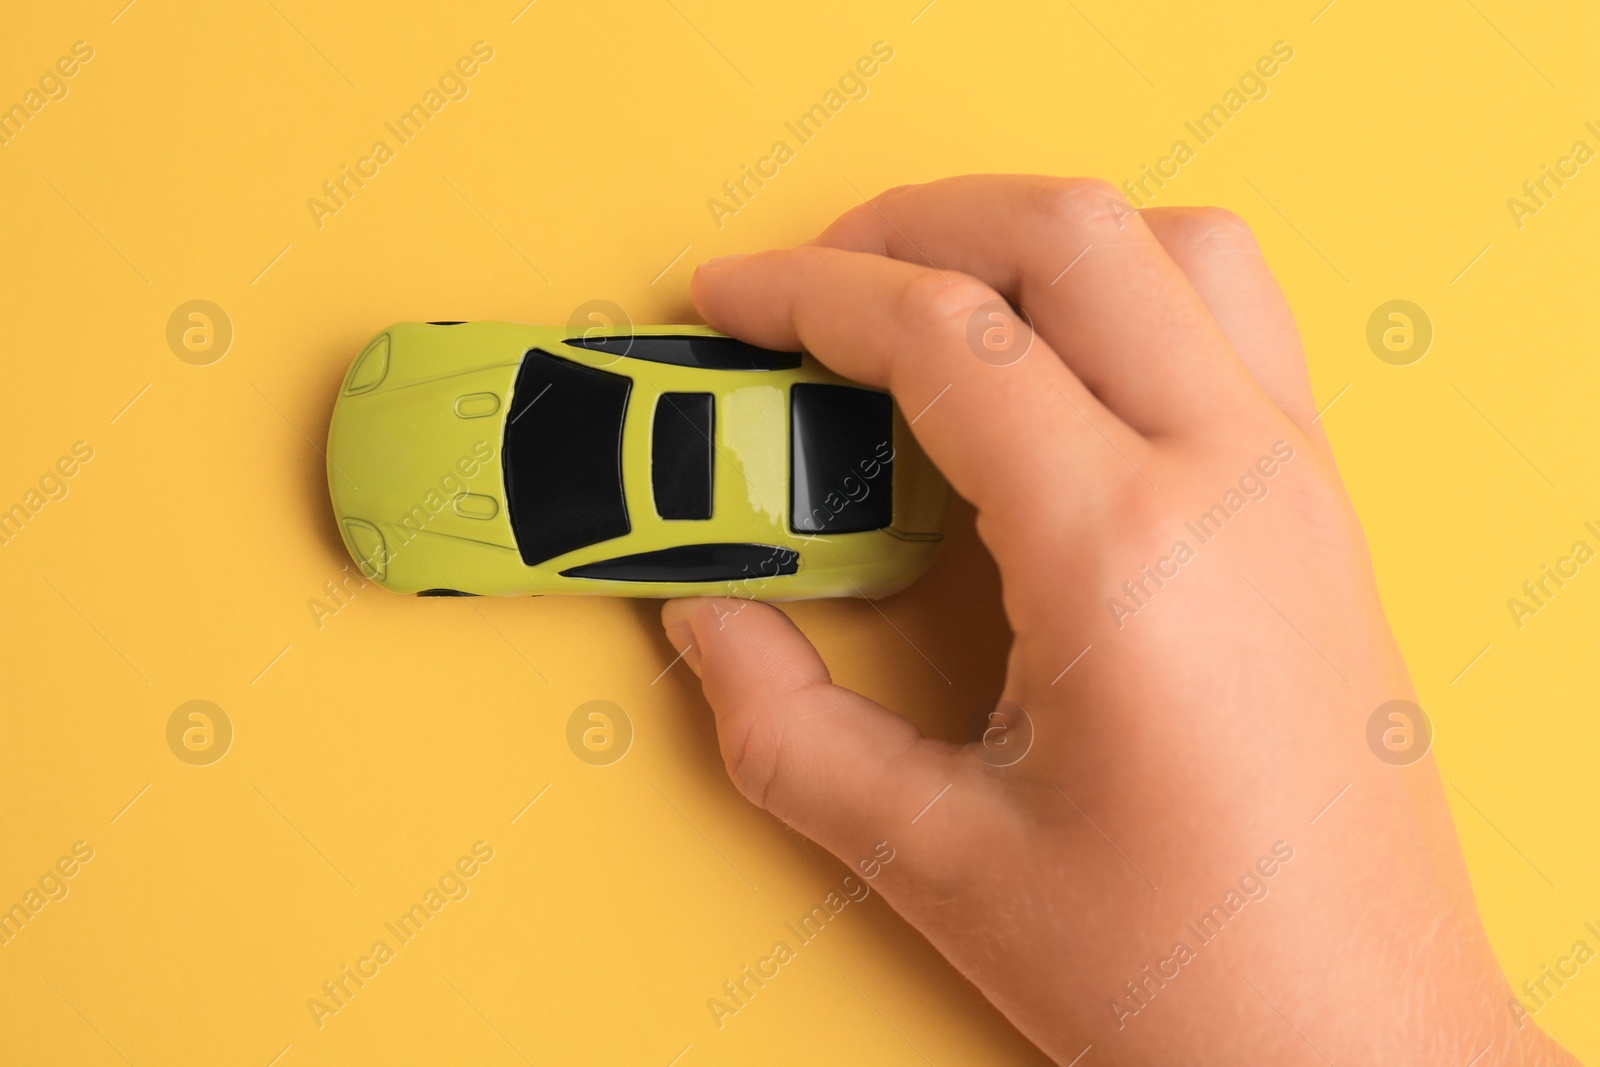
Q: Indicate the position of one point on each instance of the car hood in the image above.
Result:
(424, 457)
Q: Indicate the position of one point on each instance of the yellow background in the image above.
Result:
(377, 748)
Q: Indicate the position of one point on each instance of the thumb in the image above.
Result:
(841, 769)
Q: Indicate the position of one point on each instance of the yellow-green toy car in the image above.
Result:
(493, 458)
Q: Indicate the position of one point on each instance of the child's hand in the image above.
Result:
(1201, 859)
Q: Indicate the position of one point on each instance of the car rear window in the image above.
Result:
(563, 456)
(841, 459)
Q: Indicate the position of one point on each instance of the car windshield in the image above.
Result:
(563, 456)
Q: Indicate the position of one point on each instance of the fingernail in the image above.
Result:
(717, 261)
(681, 634)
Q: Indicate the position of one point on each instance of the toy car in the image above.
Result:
(492, 458)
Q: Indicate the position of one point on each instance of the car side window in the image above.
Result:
(690, 350)
(693, 563)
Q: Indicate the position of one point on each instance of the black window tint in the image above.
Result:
(694, 563)
(711, 353)
(841, 459)
(563, 456)
(681, 456)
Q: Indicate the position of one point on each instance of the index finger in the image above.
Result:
(1103, 291)
(1022, 438)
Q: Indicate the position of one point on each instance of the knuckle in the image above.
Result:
(1078, 204)
(1201, 227)
(862, 225)
(890, 195)
(941, 302)
(808, 259)
(752, 750)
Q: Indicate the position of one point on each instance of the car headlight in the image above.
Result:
(365, 542)
(369, 368)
